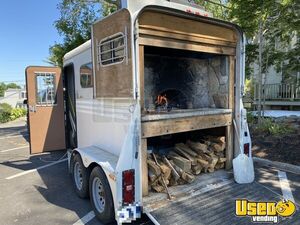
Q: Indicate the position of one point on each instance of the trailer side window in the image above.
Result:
(86, 77)
(112, 50)
(45, 89)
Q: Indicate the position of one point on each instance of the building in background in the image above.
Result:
(14, 97)
(279, 90)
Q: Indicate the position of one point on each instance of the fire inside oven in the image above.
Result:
(178, 80)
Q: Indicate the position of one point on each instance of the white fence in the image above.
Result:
(277, 92)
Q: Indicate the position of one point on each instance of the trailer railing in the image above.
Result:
(278, 92)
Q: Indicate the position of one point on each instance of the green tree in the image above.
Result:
(219, 8)
(281, 27)
(4, 87)
(13, 86)
(280, 21)
(110, 6)
(74, 24)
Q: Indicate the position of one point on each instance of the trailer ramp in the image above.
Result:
(209, 200)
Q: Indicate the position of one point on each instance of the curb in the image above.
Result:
(282, 166)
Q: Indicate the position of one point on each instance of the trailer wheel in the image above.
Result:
(101, 196)
(80, 177)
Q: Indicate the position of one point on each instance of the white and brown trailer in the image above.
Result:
(151, 101)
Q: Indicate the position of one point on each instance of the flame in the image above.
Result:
(161, 100)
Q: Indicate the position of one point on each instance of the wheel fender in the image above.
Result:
(106, 166)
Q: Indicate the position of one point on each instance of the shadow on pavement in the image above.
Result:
(34, 161)
(14, 131)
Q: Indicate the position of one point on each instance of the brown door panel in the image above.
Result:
(114, 80)
(45, 109)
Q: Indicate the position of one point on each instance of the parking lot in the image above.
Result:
(30, 192)
(38, 190)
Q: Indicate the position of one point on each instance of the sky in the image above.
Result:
(26, 32)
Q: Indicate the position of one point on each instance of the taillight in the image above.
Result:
(128, 187)
(246, 149)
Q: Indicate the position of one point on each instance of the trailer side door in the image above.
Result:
(45, 109)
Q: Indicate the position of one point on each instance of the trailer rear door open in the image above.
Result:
(45, 109)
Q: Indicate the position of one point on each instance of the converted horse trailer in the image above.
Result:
(157, 76)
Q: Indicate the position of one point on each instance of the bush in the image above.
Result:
(268, 126)
(5, 110)
(5, 107)
(16, 113)
(250, 118)
(7, 113)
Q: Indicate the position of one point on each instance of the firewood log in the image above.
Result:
(221, 160)
(155, 182)
(197, 146)
(184, 175)
(152, 176)
(212, 165)
(212, 155)
(218, 147)
(173, 153)
(220, 139)
(173, 182)
(165, 170)
(202, 162)
(188, 177)
(177, 168)
(153, 167)
(163, 181)
(219, 166)
(211, 170)
(181, 181)
(186, 155)
(175, 175)
(157, 188)
(197, 169)
(183, 163)
(218, 144)
(220, 154)
(186, 149)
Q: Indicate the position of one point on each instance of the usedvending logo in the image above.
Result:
(261, 212)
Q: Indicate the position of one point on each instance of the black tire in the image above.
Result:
(81, 190)
(107, 214)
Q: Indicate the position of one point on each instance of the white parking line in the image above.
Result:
(285, 186)
(152, 218)
(14, 136)
(34, 170)
(84, 220)
(12, 149)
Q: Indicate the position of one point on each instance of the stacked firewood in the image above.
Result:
(185, 161)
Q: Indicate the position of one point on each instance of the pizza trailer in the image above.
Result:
(149, 103)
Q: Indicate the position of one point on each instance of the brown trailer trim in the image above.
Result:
(172, 126)
(162, 30)
(113, 80)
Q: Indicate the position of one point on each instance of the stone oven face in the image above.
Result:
(179, 80)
